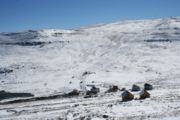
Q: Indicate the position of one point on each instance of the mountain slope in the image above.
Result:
(50, 62)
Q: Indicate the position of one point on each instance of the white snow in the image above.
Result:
(115, 53)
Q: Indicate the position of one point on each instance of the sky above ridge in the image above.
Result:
(19, 15)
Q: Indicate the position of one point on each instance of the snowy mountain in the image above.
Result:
(53, 62)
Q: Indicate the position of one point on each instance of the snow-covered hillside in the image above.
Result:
(52, 62)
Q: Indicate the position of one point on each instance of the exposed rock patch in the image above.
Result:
(73, 93)
(87, 73)
(113, 88)
(8, 95)
(94, 91)
(5, 70)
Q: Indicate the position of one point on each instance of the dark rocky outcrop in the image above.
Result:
(123, 89)
(92, 93)
(127, 96)
(113, 88)
(26, 35)
(73, 93)
(159, 40)
(135, 88)
(144, 94)
(105, 116)
(32, 43)
(8, 95)
(5, 70)
(87, 73)
(57, 34)
(148, 86)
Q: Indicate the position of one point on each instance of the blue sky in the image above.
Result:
(19, 15)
